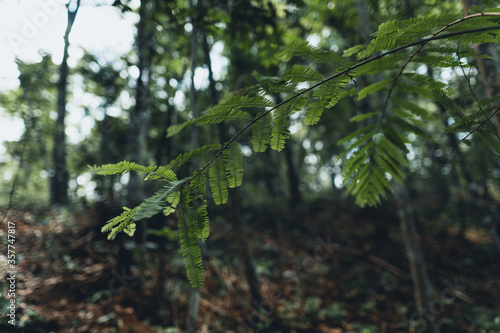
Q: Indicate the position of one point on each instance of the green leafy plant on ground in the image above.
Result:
(373, 155)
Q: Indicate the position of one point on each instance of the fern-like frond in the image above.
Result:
(354, 50)
(241, 101)
(281, 121)
(405, 125)
(374, 87)
(192, 154)
(218, 181)
(441, 60)
(299, 73)
(465, 122)
(301, 48)
(195, 198)
(166, 196)
(261, 133)
(123, 222)
(390, 62)
(396, 33)
(121, 167)
(394, 135)
(373, 159)
(152, 171)
(412, 108)
(356, 133)
(177, 128)
(173, 201)
(364, 116)
(233, 159)
(188, 239)
(490, 140)
(450, 106)
(163, 173)
(218, 116)
(229, 109)
(325, 97)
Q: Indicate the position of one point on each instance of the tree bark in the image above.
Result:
(60, 177)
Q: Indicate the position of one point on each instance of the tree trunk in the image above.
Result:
(295, 197)
(293, 177)
(140, 116)
(106, 181)
(139, 129)
(422, 288)
(60, 177)
(234, 203)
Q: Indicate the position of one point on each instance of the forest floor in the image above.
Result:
(328, 273)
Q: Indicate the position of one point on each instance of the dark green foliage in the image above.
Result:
(233, 160)
(192, 154)
(218, 181)
(373, 156)
(261, 133)
(189, 233)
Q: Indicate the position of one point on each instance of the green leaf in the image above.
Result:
(374, 87)
(130, 229)
(218, 181)
(233, 159)
(281, 121)
(227, 110)
(199, 203)
(261, 134)
(166, 196)
(365, 116)
(153, 171)
(120, 223)
(324, 97)
(407, 126)
(218, 116)
(301, 48)
(188, 239)
(356, 133)
(175, 129)
(299, 73)
(121, 167)
(280, 132)
(192, 154)
(490, 139)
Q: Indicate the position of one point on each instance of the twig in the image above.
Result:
(474, 130)
(422, 44)
(468, 82)
(384, 264)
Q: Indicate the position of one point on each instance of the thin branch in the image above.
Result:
(421, 42)
(474, 130)
(467, 78)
